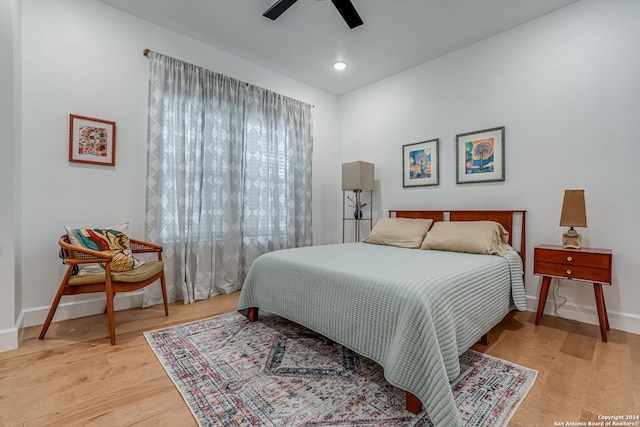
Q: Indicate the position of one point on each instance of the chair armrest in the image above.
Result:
(73, 254)
(139, 246)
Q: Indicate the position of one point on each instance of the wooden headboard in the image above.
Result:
(504, 217)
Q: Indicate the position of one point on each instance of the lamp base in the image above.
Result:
(571, 239)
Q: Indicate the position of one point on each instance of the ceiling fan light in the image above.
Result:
(339, 65)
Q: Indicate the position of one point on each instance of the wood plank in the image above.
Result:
(579, 345)
(610, 372)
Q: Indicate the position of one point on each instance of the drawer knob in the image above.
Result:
(569, 259)
(569, 272)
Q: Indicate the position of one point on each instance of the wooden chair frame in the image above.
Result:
(74, 255)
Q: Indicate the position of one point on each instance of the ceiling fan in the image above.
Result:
(345, 7)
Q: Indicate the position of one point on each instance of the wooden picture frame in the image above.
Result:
(420, 163)
(92, 140)
(480, 156)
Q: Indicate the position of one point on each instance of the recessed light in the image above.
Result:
(339, 65)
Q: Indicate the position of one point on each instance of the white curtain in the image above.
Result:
(228, 177)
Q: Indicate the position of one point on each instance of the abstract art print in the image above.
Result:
(92, 140)
(480, 156)
(420, 163)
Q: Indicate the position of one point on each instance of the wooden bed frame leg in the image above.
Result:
(486, 339)
(252, 315)
(413, 403)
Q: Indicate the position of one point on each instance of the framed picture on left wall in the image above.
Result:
(92, 140)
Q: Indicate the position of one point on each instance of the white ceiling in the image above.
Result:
(304, 41)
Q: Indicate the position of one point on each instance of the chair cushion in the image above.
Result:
(138, 274)
(112, 239)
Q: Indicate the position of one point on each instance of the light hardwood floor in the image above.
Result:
(75, 378)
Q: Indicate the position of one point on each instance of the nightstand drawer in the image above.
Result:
(586, 259)
(573, 272)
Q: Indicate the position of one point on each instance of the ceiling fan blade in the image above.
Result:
(348, 12)
(278, 8)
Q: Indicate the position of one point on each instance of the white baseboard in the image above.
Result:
(10, 338)
(588, 314)
(88, 307)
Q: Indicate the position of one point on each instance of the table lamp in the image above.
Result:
(574, 214)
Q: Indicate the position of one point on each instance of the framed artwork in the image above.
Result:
(420, 164)
(92, 141)
(480, 156)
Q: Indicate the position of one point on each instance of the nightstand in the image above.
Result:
(586, 265)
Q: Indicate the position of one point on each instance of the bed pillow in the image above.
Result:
(402, 232)
(477, 237)
(112, 239)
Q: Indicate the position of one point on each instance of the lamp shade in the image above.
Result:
(357, 176)
(574, 213)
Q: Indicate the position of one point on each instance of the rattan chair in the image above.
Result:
(109, 282)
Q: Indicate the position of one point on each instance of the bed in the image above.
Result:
(413, 311)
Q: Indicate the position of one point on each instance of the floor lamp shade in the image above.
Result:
(574, 214)
(357, 176)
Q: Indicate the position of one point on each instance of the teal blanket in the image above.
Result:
(412, 311)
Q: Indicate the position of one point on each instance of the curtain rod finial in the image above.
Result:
(146, 52)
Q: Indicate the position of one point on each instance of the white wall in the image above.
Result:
(566, 88)
(84, 57)
(10, 301)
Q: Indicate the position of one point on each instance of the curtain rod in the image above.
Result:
(146, 51)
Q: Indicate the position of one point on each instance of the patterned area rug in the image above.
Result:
(276, 373)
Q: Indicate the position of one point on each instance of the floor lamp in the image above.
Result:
(357, 177)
